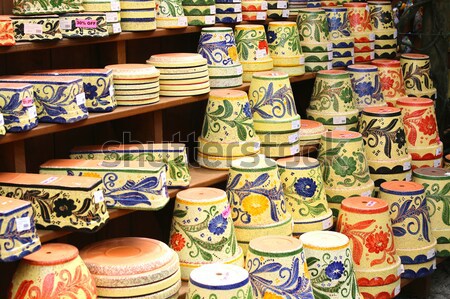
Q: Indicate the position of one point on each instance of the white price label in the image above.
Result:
(372, 46)
(372, 55)
(264, 5)
(407, 166)
(302, 60)
(23, 223)
(112, 17)
(239, 70)
(65, 24)
(98, 196)
(395, 33)
(163, 179)
(182, 21)
(295, 124)
(437, 163)
(209, 20)
(339, 120)
(32, 113)
(293, 138)
(285, 13)
(260, 53)
(236, 1)
(115, 5)
(330, 47)
(81, 99)
(352, 51)
(2, 120)
(397, 290)
(372, 36)
(239, 18)
(330, 55)
(295, 149)
(367, 194)
(117, 28)
(371, 203)
(261, 15)
(435, 95)
(330, 65)
(400, 270)
(431, 253)
(111, 90)
(29, 28)
(353, 60)
(438, 151)
(408, 177)
(339, 129)
(327, 223)
(282, 4)
(212, 9)
(434, 264)
(257, 146)
(49, 180)
(238, 8)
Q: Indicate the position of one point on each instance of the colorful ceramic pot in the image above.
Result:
(202, 229)
(343, 61)
(229, 18)
(31, 7)
(388, 53)
(325, 46)
(6, 32)
(359, 17)
(416, 73)
(218, 47)
(170, 14)
(293, 71)
(278, 13)
(278, 125)
(343, 42)
(391, 79)
(254, 15)
(329, 258)
(36, 28)
(101, 5)
(280, 150)
(278, 269)
(338, 24)
(251, 43)
(284, 43)
(55, 270)
(366, 86)
(381, 15)
(305, 194)
(312, 25)
(386, 34)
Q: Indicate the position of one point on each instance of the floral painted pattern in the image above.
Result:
(313, 27)
(284, 40)
(270, 103)
(63, 207)
(305, 187)
(216, 52)
(416, 120)
(335, 270)
(328, 96)
(249, 41)
(438, 201)
(367, 92)
(177, 242)
(417, 77)
(392, 84)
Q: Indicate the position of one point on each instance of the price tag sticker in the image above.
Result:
(117, 28)
(285, 13)
(115, 5)
(330, 47)
(2, 120)
(434, 264)
(32, 113)
(407, 166)
(49, 180)
(27, 102)
(295, 124)
(260, 53)
(339, 129)
(431, 253)
(261, 15)
(81, 23)
(111, 90)
(293, 138)
(397, 290)
(367, 193)
(112, 17)
(282, 4)
(352, 51)
(209, 20)
(182, 21)
(257, 146)
(438, 151)
(330, 55)
(436, 95)
(330, 65)
(408, 177)
(339, 120)
(395, 33)
(263, 5)
(371, 203)
(236, 1)
(302, 60)
(239, 70)
(372, 55)
(238, 8)
(372, 36)
(81, 99)
(212, 9)
(437, 163)
(65, 24)
(29, 28)
(239, 18)
(327, 223)
(98, 196)
(23, 223)
(400, 270)
(353, 60)
(295, 149)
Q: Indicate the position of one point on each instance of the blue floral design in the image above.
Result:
(247, 110)
(90, 91)
(334, 23)
(271, 36)
(305, 187)
(364, 88)
(218, 225)
(335, 270)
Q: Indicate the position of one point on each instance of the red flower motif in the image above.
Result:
(427, 125)
(377, 242)
(386, 82)
(263, 45)
(355, 19)
(177, 242)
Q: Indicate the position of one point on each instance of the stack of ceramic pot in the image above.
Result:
(228, 131)
(44, 27)
(361, 29)
(135, 84)
(278, 268)
(228, 12)
(137, 15)
(436, 182)
(344, 167)
(274, 114)
(218, 47)
(254, 10)
(332, 101)
(416, 73)
(54, 270)
(200, 12)
(295, 5)
(202, 230)
(330, 259)
(219, 281)
(365, 221)
(382, 19)
(253, 50)
(170, 14)
(310, 132)
(410, 220)
(385, 144)
(277, 9)
(422, 134)
(285, 50)
(255, 193)
(305, 194)
(182, 74)
(340, 36)
(313, 3)
(6, 32)
(314, 37)
(17, 107)
(391, 80)
(133, 267)
(111, 8)
(366, 86)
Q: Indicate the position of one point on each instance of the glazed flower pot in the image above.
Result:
(6, 32)
(277, 267)
(17, 107)
(359, 17)
(338, 24)
(29, 7)
(36, 28)
(293, 71)
(381, 15)
(334, 118)
(251, 42)
(218, 47)
(312, 25)
(391, 79)
(366, 86)
(278, 125)
(170, 10)
(284, 43)
(416, 73)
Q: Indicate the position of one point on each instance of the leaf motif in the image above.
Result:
(260, 180)
(85, 206)
(241, 131)
(45, 210)
(361, 225)
(267, 268)
(234, 182)
(205, 255)
(412, 136)
(357, 250)
(311, 261)
(179, 213)
(398, 231)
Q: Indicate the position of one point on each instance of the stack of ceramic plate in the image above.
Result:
(112, 10)
(295, 5)
(138, 15)
(133, 268)
(383, 25)
(170, 14)
(361, 29)
(135, 84)
(339, 29)
(310, 132)
(182, 74)
(200, 12)
(228, 11)
(277, 9)
(254, 10)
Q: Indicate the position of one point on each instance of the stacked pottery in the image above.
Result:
(391, 79)
(416, 73)
(55, 270)
(295, 5)
(284, 47)
(278, 268)
(255, 193)
(6, 32)
(305, 194)
(36, 28)
(135, 84)
(365, 221)
(436, 182)
(361, 29)
(182, 74)
(314, 37)
(202, 230)
(344, 167)
(200, 12)
(366, 86)
(422, 134)
(133, 267)
(382, 19)
(332, 101)
(340, 36)
(254, 10)
(31, 7)
(277, 9)
(219, 281)
(385, 144)
(17, 107)
(137, 15)
(228, 131)
(330, 265)
(253, 50)
(274, 113)
(310, 132)
(111, 8)
(218, 47)
(170, 14)
(410, 220)
(228, 12)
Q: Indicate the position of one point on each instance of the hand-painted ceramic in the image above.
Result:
(333, 118)
(36, 28)
(171, 22)
(169, 9)
(284, 43)
(278, 13)
(31, 7)
(390, 290)
(343, 52)
(229, 18)
(18, 235)
(277, 125)
(309, 47)
(280, 150)
(414, 271)
(364, 56)
(313, 67)
(386, 44)
(380, 178)
(437, 162)
(305, 194)
(359, 17)
(342, 61)
(381, 15)
(391, 79)
(312, 25)
(101, 5)
(251, 42)
(278, 269)
(260, 15)
(257, 5)
(293, 71)
(88, 24)
(219, 281)
(310, 132)
(55, 270)
(416, 73)
(329, 258)
(343, 42)
(6, 32)
(338, 24)
(218, 47)
(319, 56)
(230, 7)
(279, 138)
(388, 53)
(336, 195)
(366, 86)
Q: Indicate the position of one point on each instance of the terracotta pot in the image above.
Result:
(310, 132)
(366, 86)
(391, 79)
(416, 73)
(312, 25)
(359, 17)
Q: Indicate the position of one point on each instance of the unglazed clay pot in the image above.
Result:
(366, 86)
(54, 271)
(416, 73)
(310, 133)
(391, 79)
(278, 269)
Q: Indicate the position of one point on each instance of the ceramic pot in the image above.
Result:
(278, 125)
(36, 28)
(334, 118)
(6, 32)
(293, 71)
(381, 15)
(54, 270)
(364, 56)
(310, 132)
(314, 47)
(385, 291)
(344, 42)
(30, 7)
(329, 257)
(218, 47)
(284, 43)
(359, 17)
(366, 86)
(343, 61)
(386, 34)
(278, 13)
(313, 67)
(416, 73)
(277, 267)
(364, 46)
(378, 179)
(169, 9)
(279, 138)
(391, 79)
(312, 25)
(251, 42)
(389, 53)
